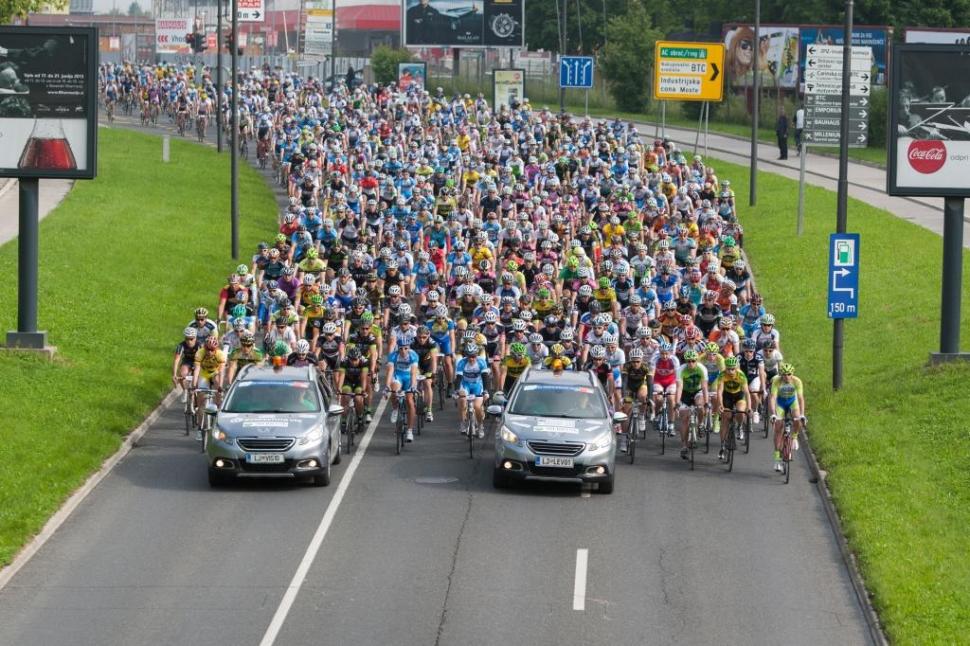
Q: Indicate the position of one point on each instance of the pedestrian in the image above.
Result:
(781, 130)
(799, 128)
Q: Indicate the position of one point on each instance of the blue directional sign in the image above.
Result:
(576, 71)
(844, 276)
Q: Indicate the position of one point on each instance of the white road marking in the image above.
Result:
(579, 588)
(269, 638)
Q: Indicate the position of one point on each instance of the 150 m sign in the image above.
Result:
(688, 71)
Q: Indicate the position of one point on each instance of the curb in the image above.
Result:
(76, 498)
(819, 478)
(7, 185)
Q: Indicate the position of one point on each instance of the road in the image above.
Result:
(422, 550)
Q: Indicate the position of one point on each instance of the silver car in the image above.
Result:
(275, 423)
(555, 426)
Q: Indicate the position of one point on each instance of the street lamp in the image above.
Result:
(756, 105)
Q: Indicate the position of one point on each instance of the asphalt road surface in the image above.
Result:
(421, 550)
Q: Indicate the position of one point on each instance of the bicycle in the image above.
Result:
(471, 427)
(636, 428)
(789, 444)
(401, 425)
(763, 406)
(661, 422)
(692, 438)
(180, 122)
(188, 407)
(440, 385)
(707, 428)
(419, 406)
(738, 420)
(353, 423)
(200, 127)
(243, 148)
(206, 425)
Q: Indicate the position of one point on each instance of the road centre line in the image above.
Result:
(579, 587)
(272, 632)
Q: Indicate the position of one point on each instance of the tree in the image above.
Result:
(627, 58)
(384, 60)
(134, 9)
(10, 9)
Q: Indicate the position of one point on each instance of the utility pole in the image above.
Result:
(234, 136)
(333, 41)
(218, 97)
(756, 104)
(838, 330)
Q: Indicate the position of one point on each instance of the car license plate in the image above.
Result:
(265, 458)
(553, 461)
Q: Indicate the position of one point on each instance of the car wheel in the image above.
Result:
(606, 486)
(499, 479)
(323, 479)
(216, 479)
(335, 449)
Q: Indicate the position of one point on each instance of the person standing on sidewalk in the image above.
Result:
(781, 130)
(799, 128)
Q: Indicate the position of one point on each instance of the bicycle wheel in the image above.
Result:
(764, 415)
(692, 440)
(472, 431)
(440, 385)
(731, 443)
(786, 456)
(419, 408)
(642, 421)
(662, 426)
(708, 429)
(631, 442)
(351, 427)
(206, 423)
(399, 433)
(747, 433)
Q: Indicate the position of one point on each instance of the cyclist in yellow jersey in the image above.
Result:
(786, 395)
(513, 365)
(557, 361)
(210, 361)
(732, 393)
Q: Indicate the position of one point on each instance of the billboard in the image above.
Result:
(170, 35)
(508, 86)
(929, 121)
(938, 36)
(412, 74)
(463, 23)
(48, 109)
(318, 33)
(778, 55)
(878, 38)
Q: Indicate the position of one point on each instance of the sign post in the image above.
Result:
(929, 156)
(843, 276)
(48, 130)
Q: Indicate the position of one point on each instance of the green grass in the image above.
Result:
(124, 261)
(895, 440)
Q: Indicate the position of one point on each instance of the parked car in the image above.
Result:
(555, 426)
(275, 423)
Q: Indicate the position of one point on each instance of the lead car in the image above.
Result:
(555, 426)
(275, 422)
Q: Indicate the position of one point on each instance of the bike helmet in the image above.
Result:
(712, 348)
(598, 352)
(585, 290)
(190, 333)
(201, 313)
(471, 349)
(557, 349)
(517, 349)
(749, 344)
(394, 290)
(518, 325)
(768, 319)
(636, 354)
(309, 279)
(731, 363)
(535, 337)
(441, 311)
(644, 332)
(690, 355)
(609, 339)
(786, 369)
(490, 317)
(242, 270)
(247, 338)
(567, 334)
(302, 346)
(404, 311)
(353, 352)
(329, 328)
(367, 317)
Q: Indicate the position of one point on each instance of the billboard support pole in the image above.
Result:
(234, 136)
(218, 97)
(838, 329)
(801, 187)
(663, 119)
(755, 104)
(952, 275)
(28, 251)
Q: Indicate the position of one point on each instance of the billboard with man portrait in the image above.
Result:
(929, 124)
(463, 23)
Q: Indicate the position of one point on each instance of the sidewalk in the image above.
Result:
(866, 183)
(52, 191)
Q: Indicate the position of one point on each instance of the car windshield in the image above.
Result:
(547, 400)
(273, 397)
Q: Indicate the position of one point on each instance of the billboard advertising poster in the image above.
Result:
(938, 36)
(778, 55)
(48, 94)
(464, 23)
(929, 134)
(170, 35)
(409, 74)
(508, 87)
(878, 38)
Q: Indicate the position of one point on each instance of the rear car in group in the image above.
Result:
(275, 423)
(555, 426)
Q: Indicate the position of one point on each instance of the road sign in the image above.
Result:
(576, 71)
(843, 276)
(689, 71)
(823, 70)
(250, 10)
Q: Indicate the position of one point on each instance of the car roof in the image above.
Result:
(568, 377)
(270, 373)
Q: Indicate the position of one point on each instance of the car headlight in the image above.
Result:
(220, 436)
(509, 437)
(602, 441)
(312, 437)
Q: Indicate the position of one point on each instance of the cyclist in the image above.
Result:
(636, 382)
(185, 358)
(753, 366)
(734, 396)
(665, 370)
(210, 361)
(427, 350)
(691, 392)
(470, 369)
(513, 365)
(246, 354)
(302, 356)
(352, 380)
(402, 376)
(204, 326)
(786, 395)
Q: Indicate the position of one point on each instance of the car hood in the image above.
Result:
(269, 424)
(555, 429)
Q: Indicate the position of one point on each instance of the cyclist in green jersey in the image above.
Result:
(786, 395)
(691, 391)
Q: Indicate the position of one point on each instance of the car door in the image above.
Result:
(332, 422)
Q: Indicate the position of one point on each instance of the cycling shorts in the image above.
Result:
(205, 379)
(688, 399)
(355, 389)
(473, 388)
(444, 346)
(403, 378)
(664, 389)
(788, 404)
(728, 400)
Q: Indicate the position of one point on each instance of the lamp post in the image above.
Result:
(756, 105)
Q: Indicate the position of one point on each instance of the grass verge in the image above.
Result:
(895, 439)
(124, 261)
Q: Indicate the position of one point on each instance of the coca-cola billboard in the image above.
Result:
(929, 121)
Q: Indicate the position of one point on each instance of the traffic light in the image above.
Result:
(229, 44)
(190, 41)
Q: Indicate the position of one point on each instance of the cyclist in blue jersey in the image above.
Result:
(470, 368)
(402, 375)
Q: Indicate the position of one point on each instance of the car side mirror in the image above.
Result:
(494, 409)
(335, 410)
(620, 417)
(211, 409)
